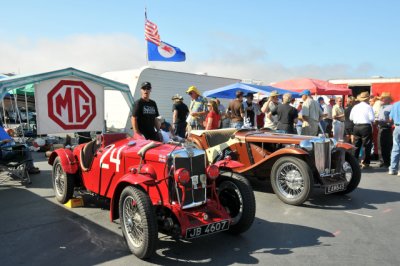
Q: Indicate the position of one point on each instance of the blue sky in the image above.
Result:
(262, 40)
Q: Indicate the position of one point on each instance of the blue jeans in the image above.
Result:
(394, 158)
(237, 125)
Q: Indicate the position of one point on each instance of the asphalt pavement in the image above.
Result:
(361, 228)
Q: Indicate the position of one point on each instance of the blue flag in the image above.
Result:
(164, 52)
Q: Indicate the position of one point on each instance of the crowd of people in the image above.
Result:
(353, 122)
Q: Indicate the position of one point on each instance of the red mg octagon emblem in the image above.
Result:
(71, 104)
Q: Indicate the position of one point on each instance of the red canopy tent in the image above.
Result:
(316, 86)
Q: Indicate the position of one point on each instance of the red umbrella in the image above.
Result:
(316, 86)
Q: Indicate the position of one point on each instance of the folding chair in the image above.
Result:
(14, 161)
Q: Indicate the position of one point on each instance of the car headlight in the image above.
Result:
(306, 144)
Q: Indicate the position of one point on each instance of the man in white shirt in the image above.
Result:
(363, 116)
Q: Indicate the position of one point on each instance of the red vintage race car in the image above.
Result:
(156, 187)
(294, 164)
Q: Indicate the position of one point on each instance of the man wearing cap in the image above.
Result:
(251, 110)
(363, 116)
(144, 115)
(197, 109)
(385, 136)
(180, 112)
(271, 121)
(395, 155)
(235, 111)
(311, 114)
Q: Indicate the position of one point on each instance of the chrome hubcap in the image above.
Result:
(133, 222)
(348, 171)
(289, 180)
(59, 180)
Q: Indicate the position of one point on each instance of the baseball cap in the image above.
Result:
(305, 92)
(146, 85)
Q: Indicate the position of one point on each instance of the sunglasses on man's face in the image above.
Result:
(146, 89)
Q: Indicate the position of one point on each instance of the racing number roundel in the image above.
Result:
(71, 104)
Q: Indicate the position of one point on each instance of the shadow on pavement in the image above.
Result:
(358, 199)
(35, 231)
(225, 249)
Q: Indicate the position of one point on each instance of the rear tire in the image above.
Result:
(63, 183)
(138, 222)
(292, 180)
(236, 195)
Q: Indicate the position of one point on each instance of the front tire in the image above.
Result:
(237, 197)
(292, 180)
(138, 222)
(353, 173)
(63, 183)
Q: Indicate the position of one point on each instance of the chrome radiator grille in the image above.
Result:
(322, 155)
(194, 193)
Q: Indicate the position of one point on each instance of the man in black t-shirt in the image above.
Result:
(180, 113)
(287, 115)
(144, 115)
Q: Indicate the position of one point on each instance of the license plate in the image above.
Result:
(207, 229)
(335, 188)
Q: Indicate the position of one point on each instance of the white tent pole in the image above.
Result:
(26, 107)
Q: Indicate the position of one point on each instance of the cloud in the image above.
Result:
(101, 53)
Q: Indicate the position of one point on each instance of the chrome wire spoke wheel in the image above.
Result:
(348, 171)
(133, 222)
(290, 180)
(59, 180)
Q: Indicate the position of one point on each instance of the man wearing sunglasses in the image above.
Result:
(144, 115)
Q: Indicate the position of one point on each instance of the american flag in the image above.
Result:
(151, 32)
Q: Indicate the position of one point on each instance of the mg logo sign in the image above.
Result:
(71, 104)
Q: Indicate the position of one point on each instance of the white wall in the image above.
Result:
(165, 84)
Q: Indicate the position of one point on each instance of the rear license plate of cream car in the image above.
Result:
(207, 229)
(335, 188)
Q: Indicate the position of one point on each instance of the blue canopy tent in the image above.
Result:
(229, 92)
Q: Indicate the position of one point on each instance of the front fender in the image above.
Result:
(126, 180)
(294, 151)
(68, 162)
(344, 145)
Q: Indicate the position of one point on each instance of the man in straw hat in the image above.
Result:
(362, 116)
(180, 112)
(197, 109)
(271, 105)
(385, 136)
(395, 155)
(311, 114)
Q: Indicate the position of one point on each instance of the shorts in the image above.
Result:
(348, 131)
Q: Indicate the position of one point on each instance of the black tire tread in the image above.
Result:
(249, 202)
(303, 166)
(145, 206)
(356, 178)
(69, 184)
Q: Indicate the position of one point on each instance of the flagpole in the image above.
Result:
(147, 47)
